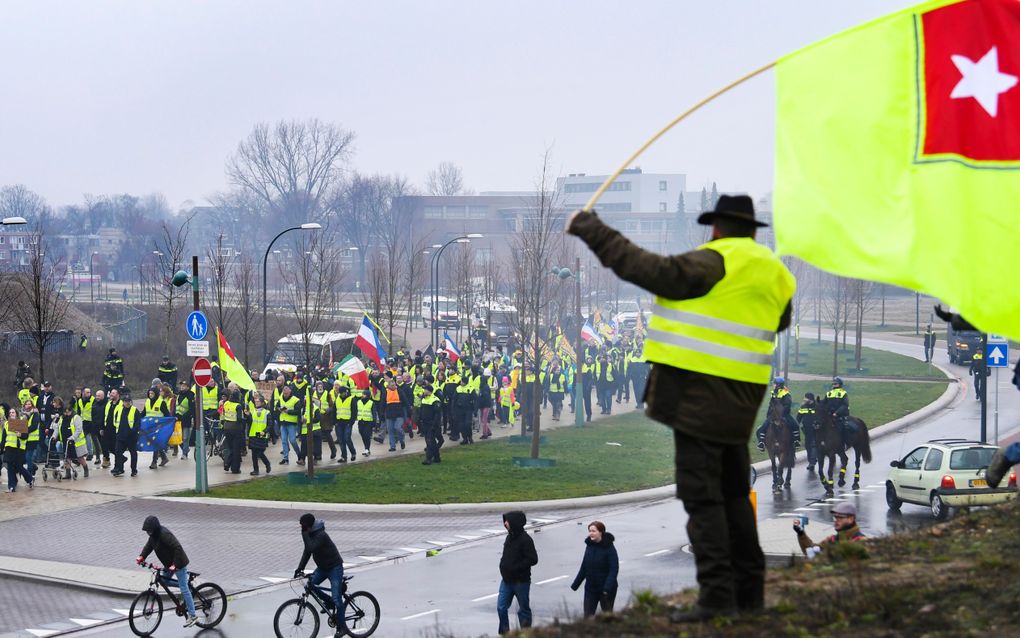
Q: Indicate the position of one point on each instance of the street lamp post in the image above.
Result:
(463, 239)
(92, 298)
(564, 273)
(265, 260)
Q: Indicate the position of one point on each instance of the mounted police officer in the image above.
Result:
(837, 402)
(806, 418)
(781, 396)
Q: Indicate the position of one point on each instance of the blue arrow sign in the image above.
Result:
(997, 355)
(197, 326)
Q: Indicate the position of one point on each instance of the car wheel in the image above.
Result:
(939, 509)
(891, 499)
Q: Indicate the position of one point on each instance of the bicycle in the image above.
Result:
(147, 607)
(297, 617)
(213, 438)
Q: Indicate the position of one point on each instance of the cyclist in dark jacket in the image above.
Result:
(519, 556)
(599, 569)
(328, 563)
(170, 552)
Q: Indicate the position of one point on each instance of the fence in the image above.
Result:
(128, 325)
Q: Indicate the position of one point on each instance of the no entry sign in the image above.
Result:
(202, 372)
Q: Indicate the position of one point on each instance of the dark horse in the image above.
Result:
(779, 444)
(830, 443)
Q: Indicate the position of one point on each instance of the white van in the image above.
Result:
(444, 315)
(324, 347)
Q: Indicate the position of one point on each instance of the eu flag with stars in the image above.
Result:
(155, 433)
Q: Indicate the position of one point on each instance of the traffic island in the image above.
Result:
(302, 478)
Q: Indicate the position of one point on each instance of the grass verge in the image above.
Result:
(951, 579)
(816, 358)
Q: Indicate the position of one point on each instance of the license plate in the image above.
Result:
(979, 483)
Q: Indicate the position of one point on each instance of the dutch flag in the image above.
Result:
(588, 333)
(451, 348)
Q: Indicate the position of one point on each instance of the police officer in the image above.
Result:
(167, 372)
(979, 371)
(113, 370)
(780, 395)
(837, 402)
(430, 421)
(806, 418)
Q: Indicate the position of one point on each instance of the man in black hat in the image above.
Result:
(710, 342)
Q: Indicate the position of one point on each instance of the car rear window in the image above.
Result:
(973, 458)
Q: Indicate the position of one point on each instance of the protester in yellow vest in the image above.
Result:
(258, 434)
(289, 407)
(14, 446)
(366, 420)
(710, 341)
(155, 406)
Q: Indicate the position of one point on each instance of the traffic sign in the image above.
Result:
(198, 348)
(202, 372)
(997, 355)
(993, 338)
(197, 326)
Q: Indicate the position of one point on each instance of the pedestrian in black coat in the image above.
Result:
(519, 556)
(599, 569)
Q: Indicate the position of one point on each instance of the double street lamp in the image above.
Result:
(564, 273)
(434, 279)
(265, 259)
(92, 298)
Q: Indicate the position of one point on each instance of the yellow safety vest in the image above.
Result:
(230, 409)
(311, 416)
(730, 331)
(556, 382)
(288, 404)
(85, 409)
(506, 396)
(780, 393)
(609, 371)
(13, 439)
(835, 393)
(154, 408)
(259, 421)
(24, 395)
(210, 398)
(343, 407)
(365, 411)
(34, 435)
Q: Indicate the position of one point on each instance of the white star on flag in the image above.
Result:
(982, 80)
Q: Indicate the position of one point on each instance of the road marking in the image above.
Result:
(481, 598)
(123, 612)
(372, 559)
(494, 531)
(412, 550)
(440, 543)
(877, 485)
(424, 613)
(346, 565)
(805, 509)
(661, 551)
(544, 520)
(467, 538)
(549, 580)
(41, 632)
(268, 579)
(790, 514)
(85, 622)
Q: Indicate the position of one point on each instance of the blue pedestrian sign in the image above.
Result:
(997, 355)
(197, 326)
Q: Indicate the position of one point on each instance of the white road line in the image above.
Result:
(661, 551)
(123, 612)
(481, 598)
(268, 579)
(440, 543)
(494, 531)
(372, 559)
(549, 580)
(412, 550)
(467, 538)
(41, 632)
(85, 622)
(877, 485)
(424, 613)
(804, 509)
(346, 565)
(790, 514)
(544, 520)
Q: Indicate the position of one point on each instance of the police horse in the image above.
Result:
(779, 444)
(831, 442)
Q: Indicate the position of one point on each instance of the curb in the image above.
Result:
(111, 590)
(623, 498)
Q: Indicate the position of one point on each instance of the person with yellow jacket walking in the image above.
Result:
(710, 342)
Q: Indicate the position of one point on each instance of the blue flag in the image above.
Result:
(155, 433)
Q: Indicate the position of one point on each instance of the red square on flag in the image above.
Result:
(970, 82)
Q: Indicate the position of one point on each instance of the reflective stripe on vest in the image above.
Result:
(154, 408)
(259, 420)
(289, 404)
(365, 411)
(230, 410)
(730, 331)
(85, 409)
(343, 407)
(836, 393)
(13, 439)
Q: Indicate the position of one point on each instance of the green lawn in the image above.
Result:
(586, 464)
(816, 358)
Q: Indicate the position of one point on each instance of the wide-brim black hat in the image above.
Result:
(739, 207)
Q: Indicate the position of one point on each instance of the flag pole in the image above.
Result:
(655, 138)
(378, 327)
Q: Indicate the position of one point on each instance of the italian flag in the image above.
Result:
(353, 368)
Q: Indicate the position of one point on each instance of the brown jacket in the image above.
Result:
(699, 405)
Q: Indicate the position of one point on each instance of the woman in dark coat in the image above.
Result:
(598, 571)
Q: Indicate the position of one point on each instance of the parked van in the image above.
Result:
(444, 315)
(324, 347)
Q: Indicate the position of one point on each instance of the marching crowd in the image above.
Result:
(442, 398)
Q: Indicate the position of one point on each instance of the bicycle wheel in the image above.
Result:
(210, 604)
(361, 613)
(295, 619)
(146, 613)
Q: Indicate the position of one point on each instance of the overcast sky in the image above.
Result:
(134, 96)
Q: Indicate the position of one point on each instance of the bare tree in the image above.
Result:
(446, 179)
(464, 270)
(313, 284)
(171, 246)
(37, 304)
(221, 273)
(375, 285)
(246, 287)
(834, 309)
(533, 248)
(356, 207)
(414, 278)
(863, 299)
(292, 167)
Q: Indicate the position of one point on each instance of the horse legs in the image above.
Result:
(843, 461)
(789, 473)
(777, 473)
(826, 482)
(857, 470)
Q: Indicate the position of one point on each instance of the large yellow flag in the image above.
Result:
(898, 155)
(231, 367)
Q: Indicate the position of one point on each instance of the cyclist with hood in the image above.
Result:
(328, 563)
(170, 552)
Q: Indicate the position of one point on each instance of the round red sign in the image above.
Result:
(202, 372)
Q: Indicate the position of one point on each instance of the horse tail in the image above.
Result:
(865, 443)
